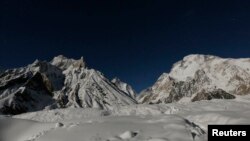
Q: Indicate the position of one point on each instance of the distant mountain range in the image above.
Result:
(64, 82)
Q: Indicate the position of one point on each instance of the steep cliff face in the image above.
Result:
(29, 88)
(199, 73)
(60, 83)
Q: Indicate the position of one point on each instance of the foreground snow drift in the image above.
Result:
(21, 130)
(114, 128)
(166, 122)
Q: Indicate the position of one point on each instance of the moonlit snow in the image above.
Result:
(163, 122)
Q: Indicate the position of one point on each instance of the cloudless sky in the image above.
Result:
(134, 40)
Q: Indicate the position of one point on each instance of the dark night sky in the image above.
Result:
(133, 40)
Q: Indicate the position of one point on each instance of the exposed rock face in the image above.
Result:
(195, 73)
(60, 83)
(215, 94)
(167, 89)
(26, 92)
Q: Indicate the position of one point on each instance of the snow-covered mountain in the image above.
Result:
(63, 83)
(124, 87)
(199, 77)
(59, 83)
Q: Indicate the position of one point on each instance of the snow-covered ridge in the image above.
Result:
(210, 64)
(64, 63)
(60, 83)
(197, 73)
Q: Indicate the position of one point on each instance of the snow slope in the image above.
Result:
(159, 122)
(102, 129)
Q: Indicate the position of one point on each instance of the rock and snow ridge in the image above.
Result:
(60, 83)
(197, 74)
(124, 87)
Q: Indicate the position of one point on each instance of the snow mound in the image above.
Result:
(128, 135)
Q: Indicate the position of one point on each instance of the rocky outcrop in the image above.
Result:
(168, 90)
(215, 94)
(25, 93)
